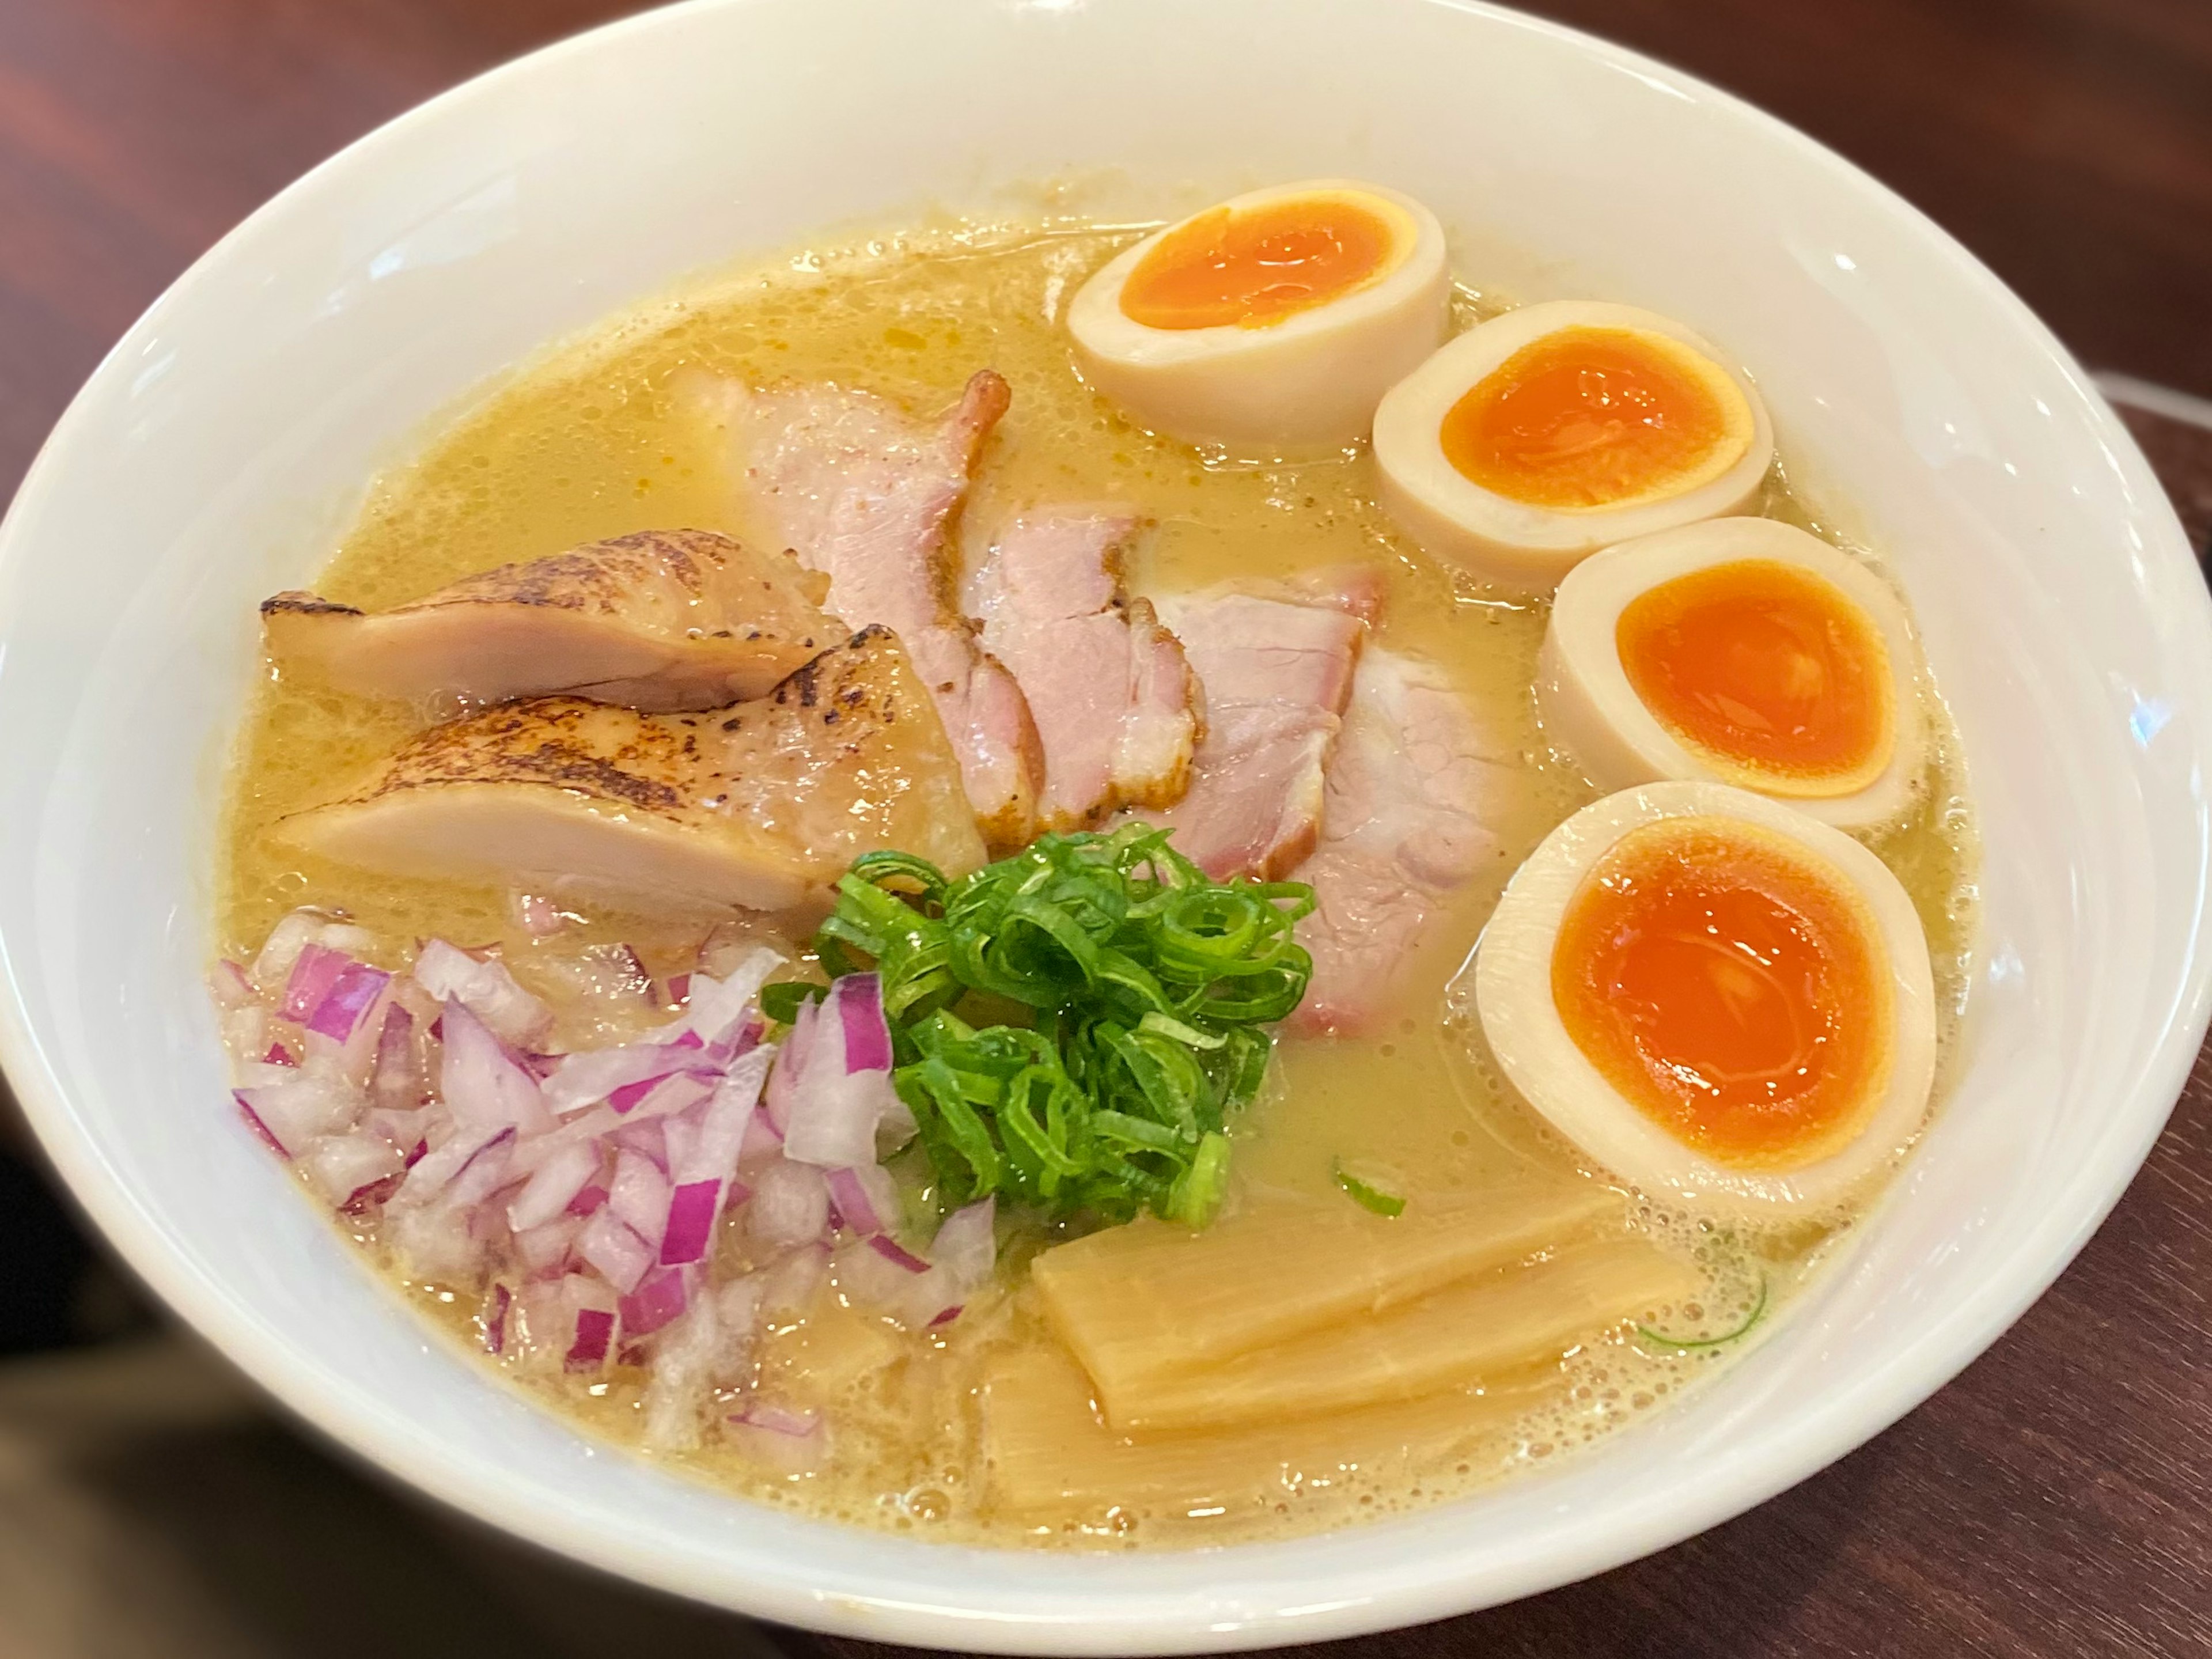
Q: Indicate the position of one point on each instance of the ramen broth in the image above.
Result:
(593, 440)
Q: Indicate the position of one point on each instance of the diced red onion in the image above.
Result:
(429, 1175)
(435, 1240)
(232, 986)
(789, 1284)
(762, 1140)
(664, 1096)
(891, 1250)
(660, 1296)
(348, 1001)
(253, 1122)
(544, 1251)
(304, 1105)
(943, 1317)
(776, 1420)
(967, 1248)
(314, 971)
(595, 1330)
(373, 1196)
(648, 1139)
(790, 1205)
(451, 974)
(495, 1319)
(778, 1448)
(834, 1118)
(692, 1208)
(273, 966)
(615, 1249)
(870, 1280)
(582, 1079)
(713, 1008)
(540, 917)
(278, 1055)
(639, 1195)
(480, 1081)
(858, 1001)
(554, 1185)
(678, 991)
(339, 1166)
(865, 1199)
(587, 1199)
(396, 1080)
(725, 1125)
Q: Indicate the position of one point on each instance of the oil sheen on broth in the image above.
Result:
(592, 440)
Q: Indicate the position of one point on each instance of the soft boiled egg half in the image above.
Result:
(1272, 323)
(1539, 436)
(1742, 651)
(1714, 998)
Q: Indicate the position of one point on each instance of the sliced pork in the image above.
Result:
(1412, 789)
(865, 494)
(1276, 666)
(761, 806)
(1117, 707)
(661, 620)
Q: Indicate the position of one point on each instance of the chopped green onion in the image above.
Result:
(1368, 1197)
(1075, 1026)
(1691, 1345)
(782, 1000)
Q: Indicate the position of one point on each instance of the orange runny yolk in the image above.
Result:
(1728, 985)
(1254, 266)
(1768, 669)
(1584, 418)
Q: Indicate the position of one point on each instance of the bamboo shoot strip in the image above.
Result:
(1049, 1451)
(1149, 1300)
(1458, 1335)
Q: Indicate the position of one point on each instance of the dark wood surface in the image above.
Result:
(2054, 1500)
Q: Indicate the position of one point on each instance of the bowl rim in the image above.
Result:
(1444, 1589)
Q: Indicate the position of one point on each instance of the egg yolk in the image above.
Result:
(1769, 671)
(1255, 266)
(1730, 987)
(1586, 418)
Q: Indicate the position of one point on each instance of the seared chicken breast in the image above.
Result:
(760, 805)
(663, 619)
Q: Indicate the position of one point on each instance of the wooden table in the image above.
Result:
(2052, 1502)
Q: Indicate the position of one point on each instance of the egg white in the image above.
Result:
(1513, 996)
(1516, 546)
(1303, 385)
(1591, 710)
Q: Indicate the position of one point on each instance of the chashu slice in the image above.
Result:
(757, 807)
(867, 493)
(1117, 708)
(1411, 793)
(660, 620)
(1276, 662)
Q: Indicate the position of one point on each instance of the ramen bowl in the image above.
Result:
(216, 454)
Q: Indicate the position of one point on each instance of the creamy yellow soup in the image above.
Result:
(592, 442)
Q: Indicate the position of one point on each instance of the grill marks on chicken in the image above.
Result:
(1411, 793)
(866, 495)
(664, 619)
(757, 807)
(1277, 669)
(1117, 709)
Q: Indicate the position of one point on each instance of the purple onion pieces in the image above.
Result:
(314, 971)
(595, 1331)
(615, 1249)
(858, 1000)
(355, 990)
(495, 1319)
(692, 1208)
(450, 973)
(554, 1185)
(865, 1197)
(481, 1081)
(660, 1296)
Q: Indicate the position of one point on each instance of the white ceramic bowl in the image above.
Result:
(214, 456)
